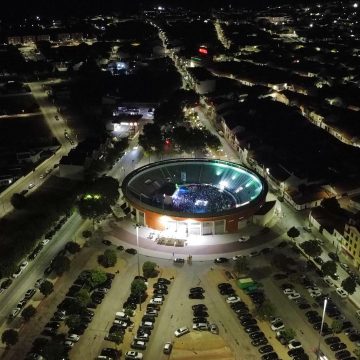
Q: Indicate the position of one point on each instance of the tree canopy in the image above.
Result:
(28, 313)
(293, 233)
(61, 264)
(10, 337)
(138, 287)
(108, 259)
(311, 248)
(329, 267)
(149, 269)
(100, 195)
(349, 285)
(46, 287)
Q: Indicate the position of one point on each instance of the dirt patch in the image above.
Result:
(201, 345)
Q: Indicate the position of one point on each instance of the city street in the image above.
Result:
(58, 130)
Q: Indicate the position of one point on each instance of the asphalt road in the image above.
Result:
(57, 128)
(35, 270)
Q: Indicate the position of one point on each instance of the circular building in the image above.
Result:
(193, 196)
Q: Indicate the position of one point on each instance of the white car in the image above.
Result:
(289, 291)
(346, 267)
(294, 344)
(17, 273)
(275, 320)
(294, 296)
(133, 355)
(244, 238)
(31, 185)
(237, 257)
(315, 294)
(44, 242)
(277, 326)
(73, 337)
(24, 264)
(123, 324)
(232, 299)
(313, 289)
(342, 293)
(167, 348)
(329, 281)
(181, 331)
(68, 344)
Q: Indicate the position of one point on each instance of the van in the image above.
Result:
(156, 301)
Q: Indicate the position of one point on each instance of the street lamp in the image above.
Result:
(138, 248)
(138, 256)
(321, 327)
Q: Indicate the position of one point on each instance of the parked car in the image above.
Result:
(196, 295)
(221, 260)
(232, 299)
(130, 355)
(137, 344)
(342, 293)
(181, 331)
(179, 260)
(167, 348)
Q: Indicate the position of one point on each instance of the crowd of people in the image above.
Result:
(201, 198)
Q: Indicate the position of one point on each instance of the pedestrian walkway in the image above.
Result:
(199, 247)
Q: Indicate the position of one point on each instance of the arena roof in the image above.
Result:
(194, 187)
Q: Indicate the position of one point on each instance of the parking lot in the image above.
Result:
(232, 342)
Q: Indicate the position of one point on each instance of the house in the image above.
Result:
(74, 164)
(202, 80)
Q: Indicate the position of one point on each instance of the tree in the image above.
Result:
(266, 310)
(138, 287)
(151, 138)
(212, 141)
(99, 197)
(73, 321)
(337, 325)
(46, 287)
(349, 285)
(330, 204)
(10, 337)
(61, 264)
(293, 233)
(108, 259)
(83, 297)
(241, 265)
(96, 278)
(329, 268)
(357, 353)
(149, 269)
(54, 350)
(311, 248)
(117, 337)
(288, 333)
(28, 313)
(18, 201)
(72, 247)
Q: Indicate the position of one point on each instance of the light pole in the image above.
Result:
(321, 327)
(138, 257)
(138, 248)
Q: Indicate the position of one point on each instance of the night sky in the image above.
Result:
(77, 7)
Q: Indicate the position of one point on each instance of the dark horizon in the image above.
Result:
(79, 7)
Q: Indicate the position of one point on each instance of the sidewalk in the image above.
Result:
(211, 246)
